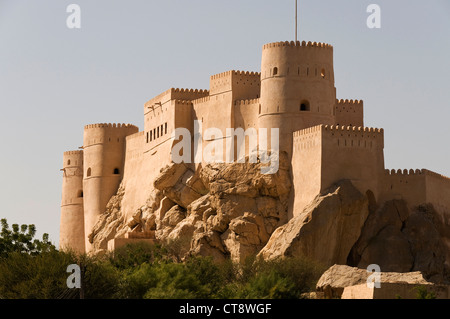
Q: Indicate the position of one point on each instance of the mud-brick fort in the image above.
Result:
(324, 137)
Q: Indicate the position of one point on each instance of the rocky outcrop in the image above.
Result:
(234, 211)
(338, 277)
(326, 230)
(220, 210)
(403, 240)
(110, 225)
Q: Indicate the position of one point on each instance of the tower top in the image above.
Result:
(297, 44)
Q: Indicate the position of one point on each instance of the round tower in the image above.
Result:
(104, 155)
(71, 232)
(297, 88)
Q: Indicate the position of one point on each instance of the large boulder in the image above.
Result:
(402, 240)
(338, 277)
(326, 230)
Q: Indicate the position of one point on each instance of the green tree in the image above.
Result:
(20, 239)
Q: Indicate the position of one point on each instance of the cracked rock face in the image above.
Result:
(219, 210)
(325, 231)
(401, 240)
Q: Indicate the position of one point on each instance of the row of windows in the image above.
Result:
(89, 172)
(156, 132)
(275, 72)
(304, 107)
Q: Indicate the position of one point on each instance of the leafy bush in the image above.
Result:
(35, 269)
(25, 276)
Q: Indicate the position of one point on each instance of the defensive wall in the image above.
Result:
(72, 208)
(324, 155)
(349, 113)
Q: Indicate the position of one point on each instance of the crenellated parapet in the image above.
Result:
(349, 112)
(341, 128)
(246, 102)
(404, 172)
(242, 84)
(228, 74)
(109, 126)
(298, 44)
(343, 136)
(336, 129)
(415, 172)
(201, 100)
(73, 153)
(174, 94)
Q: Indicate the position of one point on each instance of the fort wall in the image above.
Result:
(418, 187)
(306, 167)
(323, 155)
(243, 85)
(297, 88)
(294, 92)
(438, 190)
(175, 94)
(349, 113)
(104, 156)
(72, 208)
(354, 153)
(409, 185)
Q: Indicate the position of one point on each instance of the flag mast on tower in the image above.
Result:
(296, 22)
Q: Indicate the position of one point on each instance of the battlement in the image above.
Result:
(434, 174)
(109, 125)
(349, 102)
(176, 94)
(234, 72)
(297, 44)
(202, 100)
(246, 102)
(190, 91)
(412, 172)
(338, 129)
(68, 153)
(183, 102)
(243, 84)
(404, 172)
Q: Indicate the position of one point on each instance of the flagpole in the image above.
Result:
(296, 21)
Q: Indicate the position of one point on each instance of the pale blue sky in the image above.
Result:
(54, 80)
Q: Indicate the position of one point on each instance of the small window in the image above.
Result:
(275, 71)
(89, 172)
(162, 129)
(116, 171)
(80, 194)
(157, 135)
(154, 133)
(147, 137)
(151, 136)
(322, 73)
(165, 128)
(68, 162)
(304, 106)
